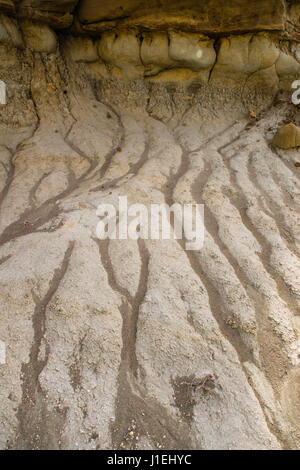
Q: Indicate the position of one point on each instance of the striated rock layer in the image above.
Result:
(142, 344)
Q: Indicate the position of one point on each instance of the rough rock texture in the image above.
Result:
(257, 60)
(56, 13)
(38, 37)
(209, 16)
(108, 343)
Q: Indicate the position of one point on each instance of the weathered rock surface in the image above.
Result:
(82, 49)
(214, 17)
(122, 52)
(106, 341)
(241, 56)
(209, 17)
(10, 32)
(38, 37)
(55, 13)
(155, 53)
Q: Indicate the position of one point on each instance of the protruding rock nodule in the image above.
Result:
(287, 137)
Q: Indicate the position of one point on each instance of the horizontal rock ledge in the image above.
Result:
(213, 17)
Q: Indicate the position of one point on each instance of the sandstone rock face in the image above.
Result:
(213, 16)
(287, 66)
(192, 51)
(54, 13)
(82, 49)
(155, 53)
(39, 38)
(242, 60)
(10, 32)
(61, 6)
(92, 11)
(109, 342)
(251, 60)
(122, 51)
(241, 56)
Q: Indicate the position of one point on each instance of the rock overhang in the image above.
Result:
(220, 42)
(210, 17)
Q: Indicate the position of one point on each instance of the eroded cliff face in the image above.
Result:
(109, 343)
(165, 41)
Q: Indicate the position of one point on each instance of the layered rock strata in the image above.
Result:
(108, 343)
